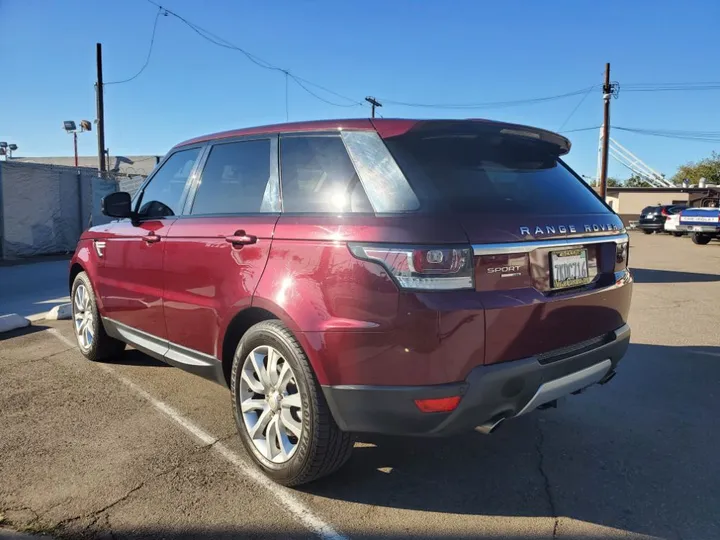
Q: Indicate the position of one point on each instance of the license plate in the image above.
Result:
(569, 268)
(696, 228)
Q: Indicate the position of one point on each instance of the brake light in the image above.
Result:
(664, 212)
(447, 404)
(622, 253)
(422, 267)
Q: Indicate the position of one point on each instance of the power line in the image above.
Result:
(147, 60)
(701, 136)
(222, 42)
(576, 108)
(671, 87)
(580, 129)
(690, 135)
(489, 104)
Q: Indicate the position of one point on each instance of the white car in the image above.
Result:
(672, 225)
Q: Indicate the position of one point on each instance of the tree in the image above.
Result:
(637, 181)
(708, 168)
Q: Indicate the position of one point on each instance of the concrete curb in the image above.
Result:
(62, 312)
(13, 321)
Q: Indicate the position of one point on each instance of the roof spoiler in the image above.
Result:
(559, 144)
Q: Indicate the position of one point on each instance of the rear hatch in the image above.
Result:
(651, 214)
(546, 247)
(702, 217)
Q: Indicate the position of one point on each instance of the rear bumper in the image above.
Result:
(489, 393)
(651, 226)
(705, 229)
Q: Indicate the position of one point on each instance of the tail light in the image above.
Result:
(422, 267)
(622, 254)
(664, 212)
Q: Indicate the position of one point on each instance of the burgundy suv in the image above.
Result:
(380, 276)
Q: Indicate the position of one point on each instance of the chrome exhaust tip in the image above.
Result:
(489, 427)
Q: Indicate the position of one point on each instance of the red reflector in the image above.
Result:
(445, 404)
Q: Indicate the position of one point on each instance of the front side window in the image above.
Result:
(163, 194)
(236, 179)
(318, 176)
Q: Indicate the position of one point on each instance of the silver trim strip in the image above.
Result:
(527, 247)
(157, 346)
(567, 385)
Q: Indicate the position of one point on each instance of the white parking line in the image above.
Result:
(281, 495)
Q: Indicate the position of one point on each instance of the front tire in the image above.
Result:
(678, 234)
(92, 340)
(283, 419)
(701, 239)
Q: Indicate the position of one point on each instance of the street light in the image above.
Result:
(70, 127)
(7, 149)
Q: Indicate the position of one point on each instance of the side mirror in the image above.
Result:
(117, 205)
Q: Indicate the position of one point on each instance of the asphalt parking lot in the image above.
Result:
(137, 449)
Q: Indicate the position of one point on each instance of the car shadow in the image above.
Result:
(638, 454)
(133, 357)
(647, 275)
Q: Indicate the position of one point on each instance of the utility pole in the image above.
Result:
(374, 102)
(100, 112)
(75, 147)
(607, 93)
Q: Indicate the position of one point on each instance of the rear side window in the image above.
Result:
(162, 195)
(235, 179)
(318, 176)
(496, 174)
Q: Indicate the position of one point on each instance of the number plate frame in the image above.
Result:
(577, 255)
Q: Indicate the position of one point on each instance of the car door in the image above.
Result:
(216, 252)
(131, 281)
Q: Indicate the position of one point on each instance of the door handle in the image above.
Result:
(241, 239)
(151, 238)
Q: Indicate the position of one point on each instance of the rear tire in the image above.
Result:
(678, 234)
(92, 340)
(283, 419)
(701, 238)
(647, 231)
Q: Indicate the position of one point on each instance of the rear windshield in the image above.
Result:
(650, 209)
(490, 174)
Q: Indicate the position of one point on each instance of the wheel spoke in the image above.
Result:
(253, 405)
(79, 304)
(278, 443)
(262, 421)
(259, 367)
(292, 425)
(293, 400)
(88, 336)
(272, 368)
(285, 377)
(252, 383)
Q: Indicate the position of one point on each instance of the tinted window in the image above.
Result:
(234, 179)
(318, 176)
(650, 209)
(161, 197)
(490, 174)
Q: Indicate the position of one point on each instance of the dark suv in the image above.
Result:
(380, 276)
(652, 218)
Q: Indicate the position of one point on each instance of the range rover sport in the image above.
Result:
(406, 277)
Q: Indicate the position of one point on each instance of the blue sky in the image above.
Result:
(405, 50)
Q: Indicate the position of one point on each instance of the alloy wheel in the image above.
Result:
(83, 317)
(270, 404)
